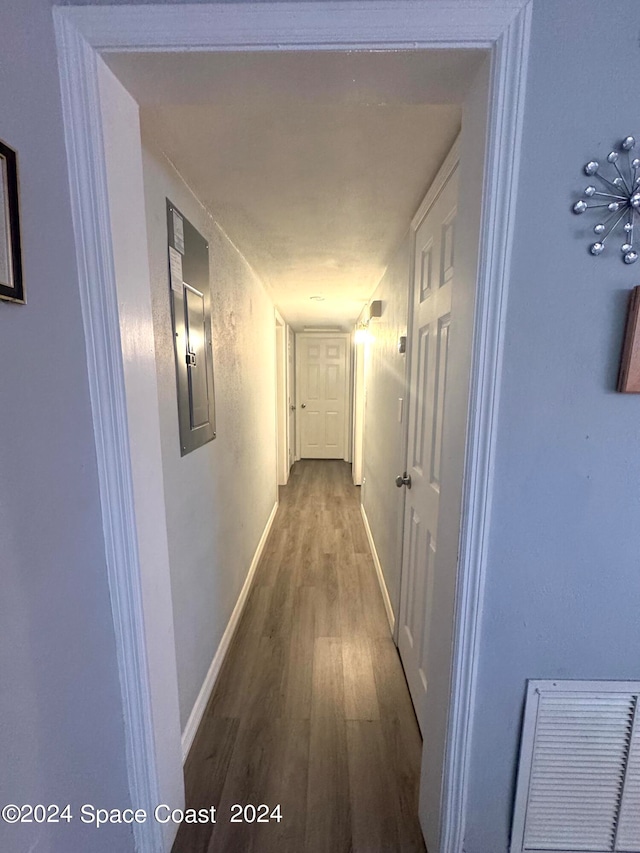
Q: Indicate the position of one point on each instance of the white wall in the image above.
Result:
(562, 593)
(61, 729)
(383, 434)
(219, 497)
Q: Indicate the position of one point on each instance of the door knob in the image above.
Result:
(403, 480)
(303, 406)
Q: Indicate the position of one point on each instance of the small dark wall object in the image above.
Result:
(191, 314)
(629, 378)
(375, 308)
(11, 285)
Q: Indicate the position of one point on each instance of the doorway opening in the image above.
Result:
(82, 34)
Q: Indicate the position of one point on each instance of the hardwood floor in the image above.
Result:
(311, 710)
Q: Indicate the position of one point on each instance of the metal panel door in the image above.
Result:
(191, 313)
(196, 358)
(291, 394)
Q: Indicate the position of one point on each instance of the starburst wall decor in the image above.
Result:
(617, 195)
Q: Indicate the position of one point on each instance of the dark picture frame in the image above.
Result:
(11, 283)
(629, 376)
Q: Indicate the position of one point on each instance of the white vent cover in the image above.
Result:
(579, 773)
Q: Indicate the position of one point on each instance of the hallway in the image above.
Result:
(311, 710)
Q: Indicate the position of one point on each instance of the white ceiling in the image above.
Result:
(312, 163)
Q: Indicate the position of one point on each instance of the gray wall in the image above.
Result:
(61, 730)
(562, 595)
(385, 378)
(219, 497)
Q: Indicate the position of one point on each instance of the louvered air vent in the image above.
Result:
(579, 773)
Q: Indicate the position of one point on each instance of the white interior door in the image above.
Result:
(291, 394)
(282, 409)
(322, 395)
(432, 285)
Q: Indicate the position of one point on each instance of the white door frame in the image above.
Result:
(83, 32)
(358, 396)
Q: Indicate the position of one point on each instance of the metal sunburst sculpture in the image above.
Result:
(620, 196)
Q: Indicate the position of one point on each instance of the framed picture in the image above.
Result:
(629, 376)
(11, 285)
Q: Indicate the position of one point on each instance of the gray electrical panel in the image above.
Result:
(191, 314)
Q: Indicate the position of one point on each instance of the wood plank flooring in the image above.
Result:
(311, 710)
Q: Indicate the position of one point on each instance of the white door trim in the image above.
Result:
(358, 397)
(83, 31)
(282, 25)
(99, 304)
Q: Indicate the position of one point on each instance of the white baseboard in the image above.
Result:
(199, 708)
(376, 562)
